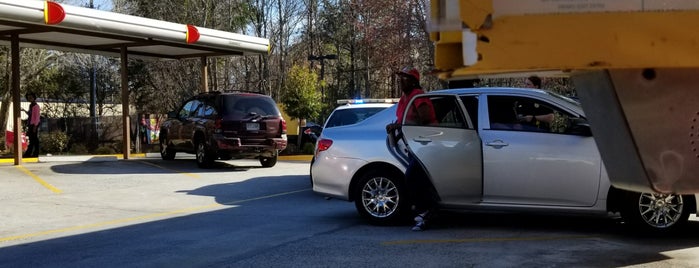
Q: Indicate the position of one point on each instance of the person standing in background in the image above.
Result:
(34, 118)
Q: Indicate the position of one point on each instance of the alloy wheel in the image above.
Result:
(380, 197)
(660, 210)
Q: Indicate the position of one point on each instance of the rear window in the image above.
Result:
(241, 105)
(343, 117)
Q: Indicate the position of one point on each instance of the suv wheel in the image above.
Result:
(656, 212)
(269, 161)
(166, 152)
(380, 197)
(204, 157)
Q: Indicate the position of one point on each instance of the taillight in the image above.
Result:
(283, 126)
(324, 144)
(217, 125)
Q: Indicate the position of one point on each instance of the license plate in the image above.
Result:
(252, 126)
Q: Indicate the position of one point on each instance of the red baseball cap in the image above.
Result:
(410, 71)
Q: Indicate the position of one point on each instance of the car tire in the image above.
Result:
(166, 152)
(204, 157)
(269, 161)
(381, 198)
(656, 212)
(310, 170)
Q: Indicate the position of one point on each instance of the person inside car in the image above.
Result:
(533, 114)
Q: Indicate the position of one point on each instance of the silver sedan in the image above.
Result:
(501, 149)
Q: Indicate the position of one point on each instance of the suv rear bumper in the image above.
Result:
(224, 144)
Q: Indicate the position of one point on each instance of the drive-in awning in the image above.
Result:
(50, 25)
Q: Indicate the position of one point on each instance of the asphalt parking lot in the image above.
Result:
(64, 193)
(145, 212)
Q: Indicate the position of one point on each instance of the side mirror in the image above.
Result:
(580, 126)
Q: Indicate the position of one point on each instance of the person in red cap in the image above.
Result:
(418, 186)
(410, 86)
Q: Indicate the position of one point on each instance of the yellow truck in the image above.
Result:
(634, 65)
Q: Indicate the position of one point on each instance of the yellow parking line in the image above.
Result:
(39, 180)
(174, 170)
(140, 218)
(481, 240)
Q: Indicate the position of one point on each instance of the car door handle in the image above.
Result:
(497, 144)
(422, 140)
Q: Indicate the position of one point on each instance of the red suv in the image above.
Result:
(224, 126)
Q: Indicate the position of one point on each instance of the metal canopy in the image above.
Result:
(49, 25)
(93, 31)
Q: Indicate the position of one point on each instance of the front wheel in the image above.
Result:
(656, 212)
(166, 152)
(380, 197)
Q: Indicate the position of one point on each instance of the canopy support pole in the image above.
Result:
(126, 146)
(16, 100)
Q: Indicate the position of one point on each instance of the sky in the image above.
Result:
(99, 4)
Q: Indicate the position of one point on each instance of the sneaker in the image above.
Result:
(420, 226)
(422, 216)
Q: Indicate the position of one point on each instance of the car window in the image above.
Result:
(471, 103)
(442, 111)
(243, 105)
(188, 109)
(206, 111)
(528, 114)
(341, 117)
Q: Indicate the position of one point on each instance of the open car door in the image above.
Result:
(447, 147)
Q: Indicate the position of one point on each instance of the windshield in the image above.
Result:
(350, 116)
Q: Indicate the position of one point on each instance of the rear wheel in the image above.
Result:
(656, 212)
(166, 152)
(380, 197)
(269, 161)
(204, 157)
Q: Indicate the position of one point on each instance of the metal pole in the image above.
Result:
(126, 147)
(16, 101)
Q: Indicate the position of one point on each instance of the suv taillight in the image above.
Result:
(217, 125)
(324, 144)
(283, 126)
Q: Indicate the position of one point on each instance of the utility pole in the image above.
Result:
(322, 59)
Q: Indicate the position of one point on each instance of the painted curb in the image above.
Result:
(115, 157)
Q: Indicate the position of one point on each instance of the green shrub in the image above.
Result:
(309, 148)
(78, 148)
(104, 150)
(291, 149)
(54, 142)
